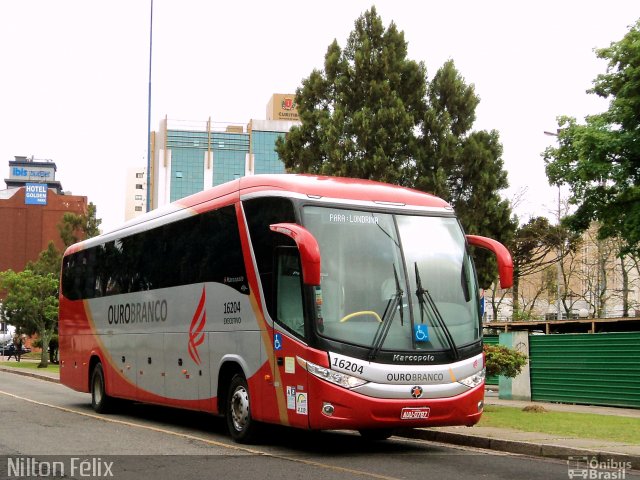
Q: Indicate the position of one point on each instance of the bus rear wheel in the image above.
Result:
(241, 426)
(100, 401)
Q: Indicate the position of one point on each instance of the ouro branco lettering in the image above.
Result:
(137, 312)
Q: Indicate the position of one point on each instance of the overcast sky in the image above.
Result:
(74, 74)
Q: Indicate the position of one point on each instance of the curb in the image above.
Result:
(518, 447)
(27, 373)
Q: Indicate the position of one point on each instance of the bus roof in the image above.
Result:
(321, 187)
(309, 185)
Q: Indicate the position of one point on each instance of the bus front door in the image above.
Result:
(293, 377)
(287, 336)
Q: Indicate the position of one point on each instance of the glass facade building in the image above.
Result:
(194, 154)
(188, 158)
(265, 158)
(229, 156)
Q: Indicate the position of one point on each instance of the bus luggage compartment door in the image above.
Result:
(188, 376)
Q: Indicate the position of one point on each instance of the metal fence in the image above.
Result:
(594, 369)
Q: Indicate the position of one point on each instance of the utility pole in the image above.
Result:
(149, 112)
(560, 256)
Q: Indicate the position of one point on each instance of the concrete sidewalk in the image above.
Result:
(502, 439)
(5, 366)
(538, 444)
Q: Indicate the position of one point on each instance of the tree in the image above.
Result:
(372, 114)
(74, 227)
(536, 245)
(600, 159)
(463, 166)
(531, 290)
(31, 305)
(360, 114)
(49, 261)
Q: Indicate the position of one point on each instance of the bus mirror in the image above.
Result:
(505, 263)
(308, 247)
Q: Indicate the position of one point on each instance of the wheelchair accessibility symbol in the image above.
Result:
(421, 333)
(277, 341)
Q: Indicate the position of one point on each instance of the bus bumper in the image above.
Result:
(334, 408)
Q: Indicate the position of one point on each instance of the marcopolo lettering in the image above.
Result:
(413, 358)
(137, 312)
(415, 377)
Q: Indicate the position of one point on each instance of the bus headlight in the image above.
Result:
(475, 379)
(342, 379)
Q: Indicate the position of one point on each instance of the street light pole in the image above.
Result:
(149, 112)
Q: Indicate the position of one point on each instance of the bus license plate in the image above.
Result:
(415, 413)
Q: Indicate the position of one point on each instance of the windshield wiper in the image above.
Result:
(426, 303)
(387, 318)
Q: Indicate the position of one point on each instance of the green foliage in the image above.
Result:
(31, 304)
(49, 261)
(359, 114)
(372, 114)
(522, 315)
(74, 228)
(501, 360)
(600, 159)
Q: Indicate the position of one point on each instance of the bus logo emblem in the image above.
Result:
(196, 334)
(416, 392)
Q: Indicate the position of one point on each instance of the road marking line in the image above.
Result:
(204, 440)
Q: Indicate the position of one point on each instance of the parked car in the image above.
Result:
(9, 350)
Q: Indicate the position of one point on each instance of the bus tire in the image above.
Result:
(241, 426)
(100, 401)
(376, 434)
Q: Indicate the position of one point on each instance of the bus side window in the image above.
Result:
(260, 213)
(289, 290)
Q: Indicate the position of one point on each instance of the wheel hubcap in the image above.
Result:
(97, 390)
(240, 408)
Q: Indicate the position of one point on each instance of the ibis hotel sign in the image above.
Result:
(35, 194)
(40, 173)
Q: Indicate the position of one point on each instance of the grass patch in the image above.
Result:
(31, 366)
(578, 425)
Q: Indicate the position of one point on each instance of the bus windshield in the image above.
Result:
(394, 282)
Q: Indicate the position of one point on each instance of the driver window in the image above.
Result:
(289, 290)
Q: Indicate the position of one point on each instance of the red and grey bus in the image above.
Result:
(313, 302)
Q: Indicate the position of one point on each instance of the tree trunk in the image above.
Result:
(515, 295)
(625, 288)
(45, 337)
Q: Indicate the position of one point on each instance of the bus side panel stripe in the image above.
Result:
(265, 328)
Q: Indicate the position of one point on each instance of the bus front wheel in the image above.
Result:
(100, 401)
(242, 427)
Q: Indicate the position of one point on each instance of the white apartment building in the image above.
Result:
(135, 193)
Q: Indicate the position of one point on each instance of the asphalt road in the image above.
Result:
(42, 423)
